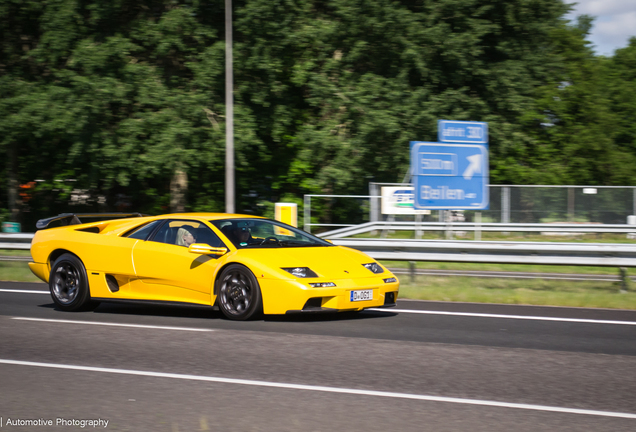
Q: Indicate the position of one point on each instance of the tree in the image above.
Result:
(574, 124)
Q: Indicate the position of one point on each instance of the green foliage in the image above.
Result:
(575, 140)
(105, 101)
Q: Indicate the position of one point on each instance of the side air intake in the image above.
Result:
(113, 286)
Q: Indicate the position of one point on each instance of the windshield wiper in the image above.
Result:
(297, 243)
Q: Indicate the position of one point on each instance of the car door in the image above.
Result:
(168, 271)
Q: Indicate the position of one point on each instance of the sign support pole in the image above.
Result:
(229, 112)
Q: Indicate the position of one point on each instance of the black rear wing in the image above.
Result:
(73, 218)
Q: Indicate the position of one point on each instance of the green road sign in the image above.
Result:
(10, 227)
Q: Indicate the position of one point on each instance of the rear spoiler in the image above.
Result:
(73, 219)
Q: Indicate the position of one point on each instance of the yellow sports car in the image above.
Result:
(246, 265)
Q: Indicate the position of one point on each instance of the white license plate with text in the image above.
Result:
(361, 295)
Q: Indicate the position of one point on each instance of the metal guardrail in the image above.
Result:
(565, 228)
(15, 258)
(20, 241)
(501, 252)
(544, 253)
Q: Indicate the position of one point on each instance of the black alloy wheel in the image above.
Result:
(68, 283)
(239, 295)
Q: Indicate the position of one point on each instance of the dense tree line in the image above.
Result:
(104, 105)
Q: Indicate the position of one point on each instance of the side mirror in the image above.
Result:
(204, 249)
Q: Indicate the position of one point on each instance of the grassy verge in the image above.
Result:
(12, 252)
(465, 289)
(16, 271)
(512, 291)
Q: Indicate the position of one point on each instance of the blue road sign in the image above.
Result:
(450, 176)
(462, 131)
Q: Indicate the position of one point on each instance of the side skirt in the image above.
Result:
(153, 303)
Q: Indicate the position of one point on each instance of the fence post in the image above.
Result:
(307, 213)
(505, 206)
(571, 204)
(374, 207)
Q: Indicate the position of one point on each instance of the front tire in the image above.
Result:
(68, 283)
(239, 295)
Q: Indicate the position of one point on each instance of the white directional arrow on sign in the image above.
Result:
(473, 167)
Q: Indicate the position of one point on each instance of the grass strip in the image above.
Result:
(540, 292)
(15, 252)
(16, 271)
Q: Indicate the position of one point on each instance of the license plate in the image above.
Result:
(361, 295)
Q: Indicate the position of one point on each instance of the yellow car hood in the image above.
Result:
(335, 262)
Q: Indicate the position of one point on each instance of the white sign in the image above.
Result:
(399, 201)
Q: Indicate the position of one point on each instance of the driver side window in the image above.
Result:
(186, 232)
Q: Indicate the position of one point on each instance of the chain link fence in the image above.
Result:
(540, 204)
(508, 204)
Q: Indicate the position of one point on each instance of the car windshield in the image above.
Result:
(266, 233)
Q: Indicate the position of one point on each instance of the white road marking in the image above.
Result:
(24, 291)
(324, 389)
(524, 317)
(112, 324)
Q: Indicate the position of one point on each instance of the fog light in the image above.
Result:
(389, 298)
(322, 285)
(389, 280)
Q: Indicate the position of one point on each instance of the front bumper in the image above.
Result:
(294, 296)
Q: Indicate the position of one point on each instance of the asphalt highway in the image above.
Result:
(423, 366)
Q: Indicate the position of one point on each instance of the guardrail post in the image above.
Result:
(412, 271)
(449, 224)
(387, 228)
(625, 280)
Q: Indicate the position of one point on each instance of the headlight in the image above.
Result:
(374, 267)
(390, 280)
(322, 285)
(300, 272)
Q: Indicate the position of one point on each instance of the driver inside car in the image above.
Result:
(243, 235)
(185, 236)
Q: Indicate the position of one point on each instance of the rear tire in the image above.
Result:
(68, 284)
(239, 295)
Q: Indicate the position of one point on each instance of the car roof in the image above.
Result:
(208, 216)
